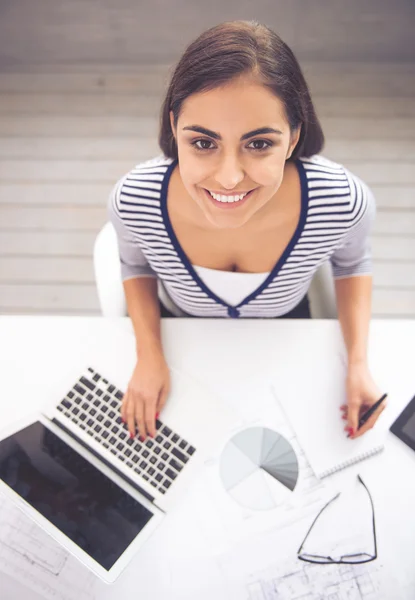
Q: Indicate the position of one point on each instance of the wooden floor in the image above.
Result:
(66, 137)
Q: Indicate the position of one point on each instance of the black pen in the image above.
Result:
(370, 412)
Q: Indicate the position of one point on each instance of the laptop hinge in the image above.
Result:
(106, 462)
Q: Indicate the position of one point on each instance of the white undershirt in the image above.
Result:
(231, 286)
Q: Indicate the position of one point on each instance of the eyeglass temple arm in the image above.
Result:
(315, 519)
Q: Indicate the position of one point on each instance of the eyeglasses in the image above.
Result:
(348, 559)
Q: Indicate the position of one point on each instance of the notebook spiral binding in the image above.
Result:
(353, 461)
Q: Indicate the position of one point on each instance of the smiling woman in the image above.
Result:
(238, 212)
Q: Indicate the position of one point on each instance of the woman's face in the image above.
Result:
(227, 157)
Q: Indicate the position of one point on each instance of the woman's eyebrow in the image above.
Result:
(217, 136)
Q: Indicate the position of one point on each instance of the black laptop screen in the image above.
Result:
(71, 493)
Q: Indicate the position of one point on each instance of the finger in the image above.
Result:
(353, 415)
(123, 410)
(343, 407)
(162, 398)
(130, 413)
(370, 422)
(150, 415)
(139, 416)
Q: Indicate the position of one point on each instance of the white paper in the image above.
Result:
(312, 404)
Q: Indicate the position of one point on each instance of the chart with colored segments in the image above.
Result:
(259, 468)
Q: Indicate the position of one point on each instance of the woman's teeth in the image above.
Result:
(227, 199)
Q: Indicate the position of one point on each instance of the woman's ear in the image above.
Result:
(172, 123)
(294, 141)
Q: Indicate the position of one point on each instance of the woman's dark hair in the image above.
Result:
(228, 51)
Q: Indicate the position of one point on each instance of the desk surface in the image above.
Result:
(219, 352)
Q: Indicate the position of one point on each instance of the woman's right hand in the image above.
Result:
(146, 394)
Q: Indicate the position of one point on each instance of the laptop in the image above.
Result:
(73, 468)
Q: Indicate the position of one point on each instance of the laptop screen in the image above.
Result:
(82, 502)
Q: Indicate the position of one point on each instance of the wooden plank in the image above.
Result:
(46, 270)
(99, 171)
(390, 303)
(131, 126)
(330, 80)
(392, 222)
(393, 247)
(75, 148)
(55, 194)
(33, 298)
(81, 104)
(394, 274)
(52, 218)
(128, 148)
(110, 170)
(47, 243)
(82, 126)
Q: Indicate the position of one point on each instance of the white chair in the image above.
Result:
(111, 292)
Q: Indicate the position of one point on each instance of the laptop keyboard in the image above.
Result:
(94, 404)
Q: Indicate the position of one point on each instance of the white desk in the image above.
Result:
(219, 352)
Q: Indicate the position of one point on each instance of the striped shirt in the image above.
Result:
(337, 210)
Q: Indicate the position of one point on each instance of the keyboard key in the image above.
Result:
(128, 452)
(106, 397)
(112, 440)
(66, 403)
(153, 460)
(145, 453)
(175, 464)
(105, 381)
(97, 428)
(146, 477)
(118, 420)
(158, 424)
(104, 408)
(135, 458)
(113, 451)
(99, 392)
(119, 395)
(190, 450)
(157, 450)
(105, 434)
(159, 477)
(111, 414)
(85, 406)
(70, 394)
(130, 441)
(167, 483)
(97, 402)
(153, 483)
(121, 457)
(87, 383)
(175, 438)
(149, 443)
(120, 446)
(96, 377)
(100, 418)
(182, 445)
(179, 455)
(59, 407)
(111, 388)
(78, 400)
(159, 439)
(114, 429)
(123, 435)
(143, 464)
(79, 389)
(82, 417)
(164, 456)
(107, 423)
(151, 471)
(167, 445)
(89, 432)
(166, 431)
(114, 404)
(75, 410)
(93, 412)
(89, 397)
(171, 474)
(160, 466)
(90, 422)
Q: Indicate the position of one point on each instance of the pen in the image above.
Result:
(370, 412)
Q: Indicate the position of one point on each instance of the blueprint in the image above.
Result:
(31, 556)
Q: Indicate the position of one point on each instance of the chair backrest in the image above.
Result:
(111, 296)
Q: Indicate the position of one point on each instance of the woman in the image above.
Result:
(236, 215)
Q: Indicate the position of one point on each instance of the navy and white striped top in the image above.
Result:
(337, 210)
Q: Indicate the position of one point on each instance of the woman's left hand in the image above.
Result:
(362, 393)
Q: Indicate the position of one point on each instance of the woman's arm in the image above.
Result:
(352, 267)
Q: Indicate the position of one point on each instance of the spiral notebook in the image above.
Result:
(312, 406)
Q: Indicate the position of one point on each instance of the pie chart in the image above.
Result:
(259, 468)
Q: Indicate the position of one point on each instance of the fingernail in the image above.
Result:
(131, 435)
(157, 415)
(142, 438)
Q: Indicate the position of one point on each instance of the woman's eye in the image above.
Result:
(267, 143)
